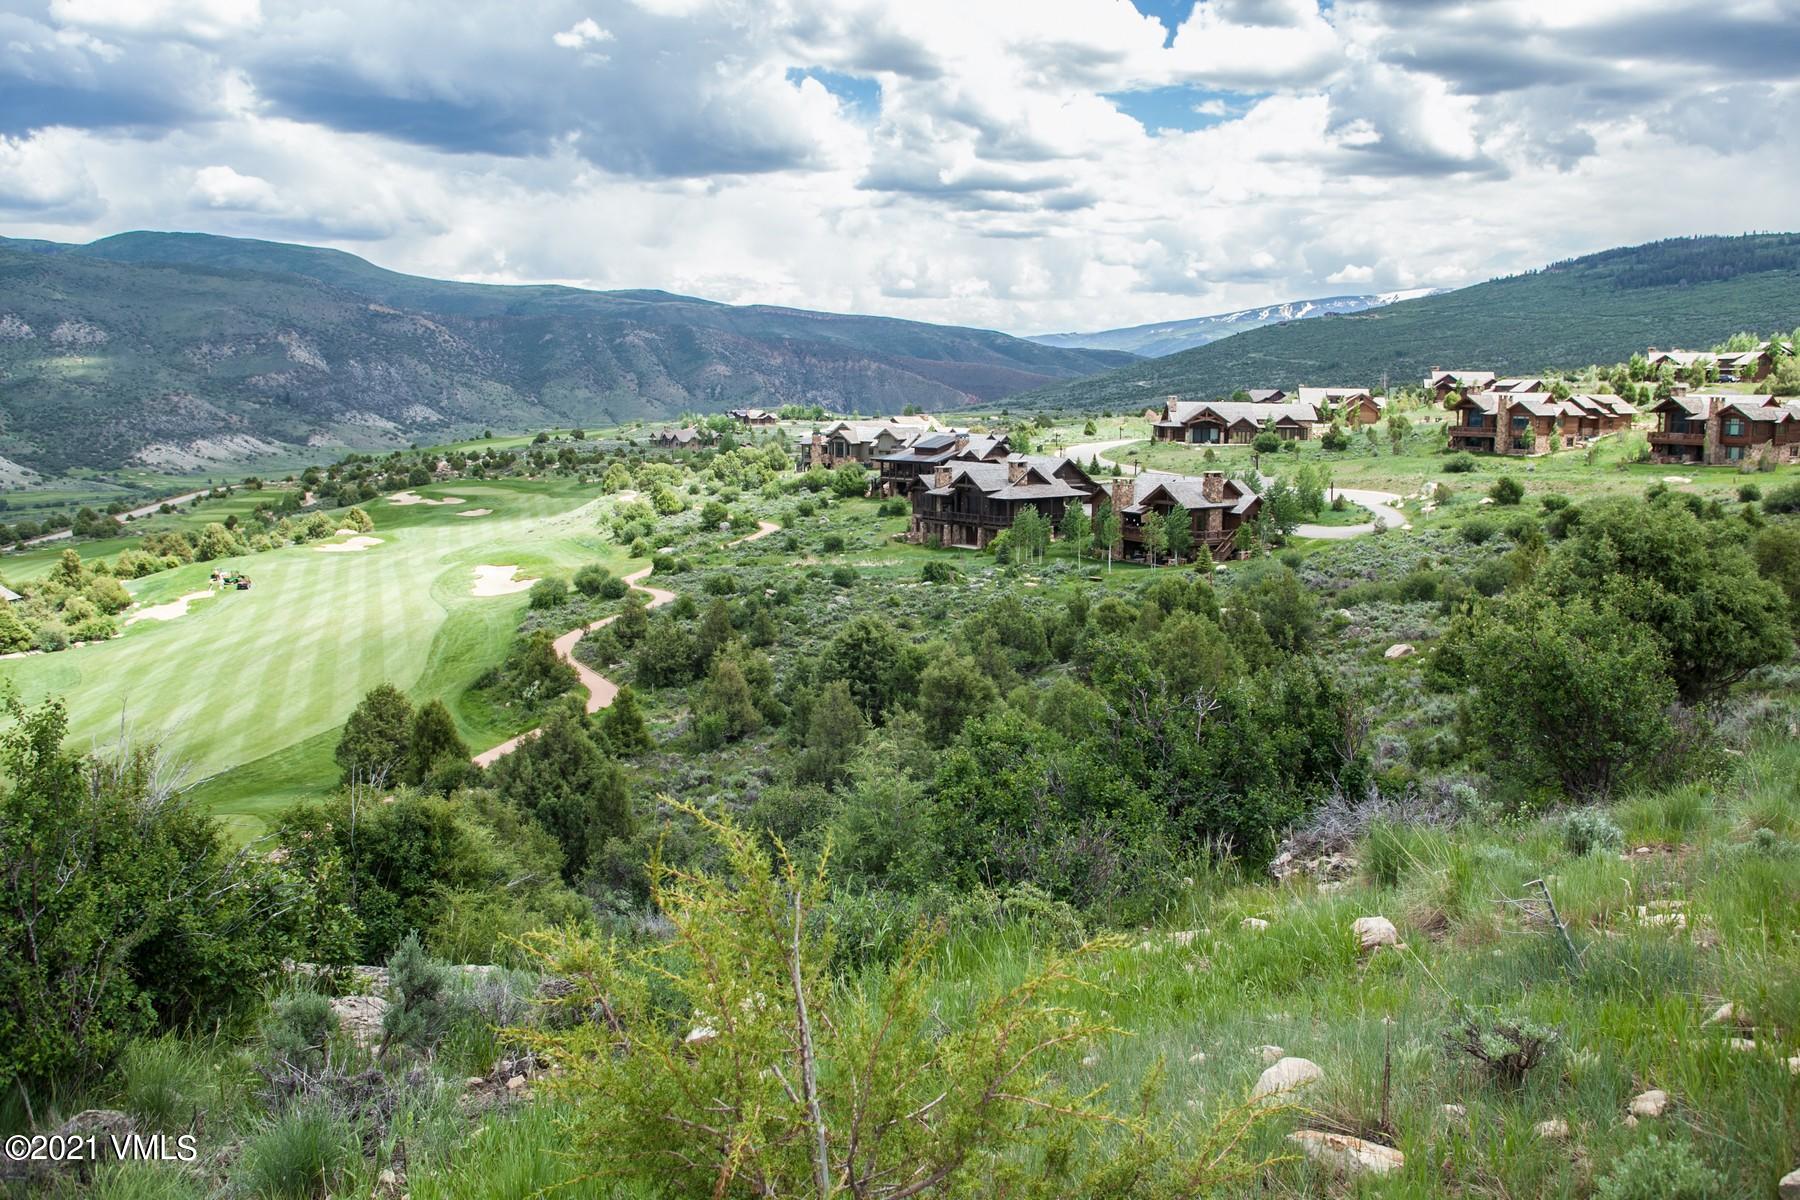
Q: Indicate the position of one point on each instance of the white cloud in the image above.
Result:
(938, 160)
(584, 32)
(200, 19)
(222, 187)
(1352, 273)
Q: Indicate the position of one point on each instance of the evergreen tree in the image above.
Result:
(434, 738)
(563, 779)
(622, 724)
(14, 634)
(375, 745)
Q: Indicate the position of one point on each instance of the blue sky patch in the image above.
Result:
(1181, 107)
(863, 95)
(1170, 12)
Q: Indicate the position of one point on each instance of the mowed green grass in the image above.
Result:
(248, 689)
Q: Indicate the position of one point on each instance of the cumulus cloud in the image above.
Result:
(1021, 164)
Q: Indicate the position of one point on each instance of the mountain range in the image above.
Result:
(1171, 337)
(1600, 308)
(179, 351)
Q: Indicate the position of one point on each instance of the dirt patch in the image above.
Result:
(474, 512)
(167, 612)
(359, 542)
(405, 498)
(497, 581)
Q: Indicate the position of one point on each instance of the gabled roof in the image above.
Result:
(982, 447)
(994, 480)
(1322, 396)
(8, 595)
(1749, 408)
(1185, 412)
(1460, 378)
(1187, 491)
(1266, 395)
(1518, 385)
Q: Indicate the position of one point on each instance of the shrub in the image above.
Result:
(549, 592)
(1587, 830)
(1506, 490)
(1477, 531)
(1553, 502)
(1784, 499)
(422, 1009)
(843, 576)
(299, 1028)
(1659, 1170)
(1460, 464)
(1510, 1047)
(1749, 493)
(832, 543)
(592, 579)
(303, 1153)
(938, 572)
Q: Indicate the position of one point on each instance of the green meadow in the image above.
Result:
(248, 689)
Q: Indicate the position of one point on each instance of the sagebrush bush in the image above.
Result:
(423, 1007)
(299, 1028)
(1659, 1170)
(1587, 830)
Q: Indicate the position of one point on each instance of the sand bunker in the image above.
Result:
(404, 498)
(167, 612)
(498, 581)
(360, 542)
(474, 512)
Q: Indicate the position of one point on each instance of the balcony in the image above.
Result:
(1663, 438)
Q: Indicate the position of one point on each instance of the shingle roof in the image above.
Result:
(1233, 411)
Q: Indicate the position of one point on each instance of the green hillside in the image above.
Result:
(1600, 308)
(178, 351)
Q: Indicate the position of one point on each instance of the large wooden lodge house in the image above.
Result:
(969, 502)
(1520, 423)
(1223, 422)
(903, 470)
(1216, 506)
(1718, 429)
(859, 441)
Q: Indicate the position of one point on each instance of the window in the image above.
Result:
(1474, 420)
(1734, 427)
(1734, 453)
(1521, 422)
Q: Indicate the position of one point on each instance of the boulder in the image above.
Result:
(1287, 1075)
(1456, 1112)
(516, 1083)
(1270, 1054)
(360, 1017)
(1375, 931)
(699, 1035)
(1789, 1187)
(1554, 1130)
(1347, 1155)
(1725, 1014)
(1254, 924)
(1398, 650)
(1652, 1103)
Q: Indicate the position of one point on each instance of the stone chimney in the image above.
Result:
(940, 477)
(1212, 486)
(1124, 493)
(1015, 471)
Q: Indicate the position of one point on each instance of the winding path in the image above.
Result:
(600, 689)
(763, 530)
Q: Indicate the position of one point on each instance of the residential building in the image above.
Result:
(1356, 406)
(1717, 429)
(916, 461)
(1457, 383)
(1216, 506)
(1532, 422)
(1754, 364)
(969, 502)
(686, 438)
(858, 441)
(1519, 385)
(1218, 422)
(755, 418)
(1266, 395)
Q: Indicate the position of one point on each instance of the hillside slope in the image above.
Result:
(1600, 308)
(1162, 338)
(179, 350)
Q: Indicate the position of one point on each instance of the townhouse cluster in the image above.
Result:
(1293, 416)
(1523, 416)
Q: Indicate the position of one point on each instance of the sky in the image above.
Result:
(1025, 165)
